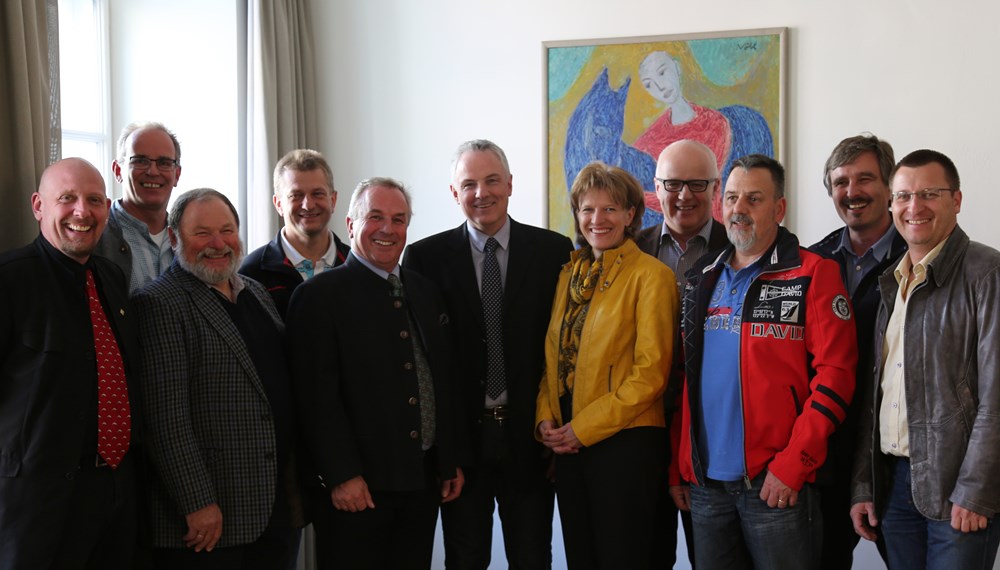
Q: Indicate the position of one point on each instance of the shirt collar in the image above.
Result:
(704, 233)
(380, 272)
(126, 219)
(295, 258)
(479, 239)
(905, 266)
(880, 250)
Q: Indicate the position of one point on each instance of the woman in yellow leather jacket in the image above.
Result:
(608, 351)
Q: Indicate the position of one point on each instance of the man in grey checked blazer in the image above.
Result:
(219, 405)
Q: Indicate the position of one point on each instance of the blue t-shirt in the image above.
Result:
(720, 421)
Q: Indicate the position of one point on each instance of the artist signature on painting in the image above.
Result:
(747, 46)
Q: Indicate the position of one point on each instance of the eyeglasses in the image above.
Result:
(140, 162)
(674, 185)
(925, 195)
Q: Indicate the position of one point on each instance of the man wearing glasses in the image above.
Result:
(687, 178)
(148, 167)
(856, 176)
(926, 464)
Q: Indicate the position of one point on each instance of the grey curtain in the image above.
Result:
(281, 101)
(281, 114)
(29, 110)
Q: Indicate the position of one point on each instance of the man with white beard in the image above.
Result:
(218, 402)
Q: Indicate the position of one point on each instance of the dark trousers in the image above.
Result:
(525, 503)
(665, 546)
(100, 527)
(607, 495)
(398, 534)
(839, 538)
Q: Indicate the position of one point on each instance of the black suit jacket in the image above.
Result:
(48, 394)
(534, 260)
(355, 383)
(269, 266)
(866, 299)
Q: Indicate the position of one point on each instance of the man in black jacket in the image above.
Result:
(305, 198)
(856, 176)
(507, 465)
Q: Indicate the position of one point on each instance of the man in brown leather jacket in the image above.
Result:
(929, 444)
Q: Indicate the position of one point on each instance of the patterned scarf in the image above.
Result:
(586, 273)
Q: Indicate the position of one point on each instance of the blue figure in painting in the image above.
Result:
(595, 133)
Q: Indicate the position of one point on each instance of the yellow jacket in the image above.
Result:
(625, 347)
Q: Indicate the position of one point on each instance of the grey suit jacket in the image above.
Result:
(211, 433)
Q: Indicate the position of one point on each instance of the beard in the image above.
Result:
(207, 274)
(744, 238)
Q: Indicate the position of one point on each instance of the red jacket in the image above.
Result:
(798, 351)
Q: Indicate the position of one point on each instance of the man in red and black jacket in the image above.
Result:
(770, 355)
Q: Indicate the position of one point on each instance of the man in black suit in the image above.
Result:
(687, 178)
(500, 372)
(304, 197)
(67, 481)
(372, 382)
(856, 176)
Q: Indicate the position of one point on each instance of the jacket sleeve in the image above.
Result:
(656, 316)
(976, 487)
(832, 347)
(165, 383)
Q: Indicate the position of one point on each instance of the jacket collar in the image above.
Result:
(941, 268)
(783, 254)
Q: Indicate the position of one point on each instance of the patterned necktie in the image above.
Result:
(307, 268)
(492, 293)
(425, 382)
(114, 417)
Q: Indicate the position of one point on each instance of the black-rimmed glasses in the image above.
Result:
(140, 162)
(676, 185)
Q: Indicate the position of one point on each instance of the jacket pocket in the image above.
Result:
(10, 464)
(795, 400)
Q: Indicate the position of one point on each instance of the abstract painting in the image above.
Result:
(622, 101)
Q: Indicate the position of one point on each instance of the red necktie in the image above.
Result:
(114, 418)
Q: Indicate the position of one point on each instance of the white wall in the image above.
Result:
(401, 83)
(176, 63)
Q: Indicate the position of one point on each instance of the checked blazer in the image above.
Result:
(211, 433)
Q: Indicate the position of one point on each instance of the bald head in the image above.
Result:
(686, 212)
(71, 207)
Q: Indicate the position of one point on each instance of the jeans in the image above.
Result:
(734, 529)
(914, 542)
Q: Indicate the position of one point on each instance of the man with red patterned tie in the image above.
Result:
(67, 479)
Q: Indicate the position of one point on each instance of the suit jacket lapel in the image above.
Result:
(208, 305)
(519, 254)
(467, 273)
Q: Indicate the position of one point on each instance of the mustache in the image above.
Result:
(740, 219)
(213, 252)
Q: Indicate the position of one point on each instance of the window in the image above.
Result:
(83, 83)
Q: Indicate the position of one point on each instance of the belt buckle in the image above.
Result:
(498, 413)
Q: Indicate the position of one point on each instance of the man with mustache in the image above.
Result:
(67, 403)
(769, 346)
(148, 167)
(856, 177)
(219, 405)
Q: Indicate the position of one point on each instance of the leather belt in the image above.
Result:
(497, 413)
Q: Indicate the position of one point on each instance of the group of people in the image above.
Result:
(167, 403)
